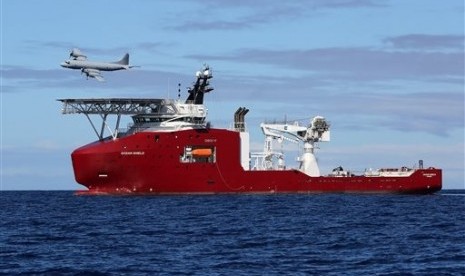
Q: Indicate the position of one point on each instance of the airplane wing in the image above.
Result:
(93, 73)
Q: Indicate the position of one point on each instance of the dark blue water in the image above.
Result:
(57, 233)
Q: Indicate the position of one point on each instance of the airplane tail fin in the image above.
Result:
(124, 60)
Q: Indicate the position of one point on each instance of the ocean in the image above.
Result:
(58, 233)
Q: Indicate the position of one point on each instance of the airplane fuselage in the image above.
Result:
(102, 66)
(92, 68)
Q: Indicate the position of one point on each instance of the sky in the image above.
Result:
(388, 75)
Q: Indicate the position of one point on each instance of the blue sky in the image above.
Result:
(388, 75)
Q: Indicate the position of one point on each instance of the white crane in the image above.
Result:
(316, 131)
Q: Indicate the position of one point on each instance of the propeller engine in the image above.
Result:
(77, 54)
(90, 72)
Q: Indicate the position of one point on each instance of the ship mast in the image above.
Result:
(201, 86)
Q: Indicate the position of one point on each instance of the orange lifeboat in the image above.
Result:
(202, 152)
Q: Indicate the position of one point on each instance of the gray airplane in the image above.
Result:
(77, 60)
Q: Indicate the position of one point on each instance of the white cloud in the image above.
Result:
(426, 42)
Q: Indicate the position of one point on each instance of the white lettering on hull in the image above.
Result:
(132, 153)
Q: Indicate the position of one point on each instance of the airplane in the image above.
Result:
(77, 60)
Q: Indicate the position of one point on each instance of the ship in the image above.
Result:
(171, 148)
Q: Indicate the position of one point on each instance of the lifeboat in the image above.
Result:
(202, 152)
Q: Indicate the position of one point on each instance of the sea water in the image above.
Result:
(58, 233)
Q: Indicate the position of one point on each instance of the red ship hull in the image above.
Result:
(150, 163)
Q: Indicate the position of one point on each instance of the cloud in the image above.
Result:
(211, 25)
(9, 89)
(254, 13)
(355, 63)
(151, 46)
(113, 51)
(438, 113)
(426, 42)
(313, 4)
(68, 46)
(348, 3)
(18, 72)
